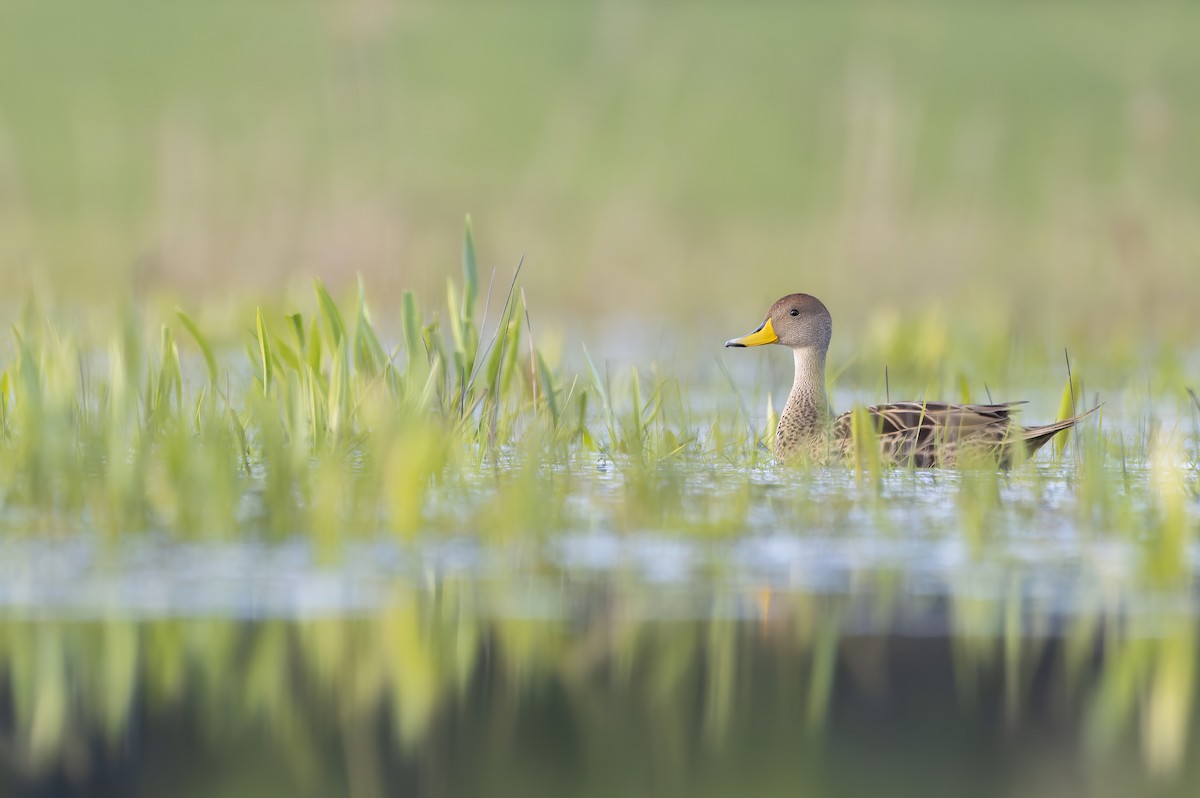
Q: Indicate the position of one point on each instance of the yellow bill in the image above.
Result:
(765, 334)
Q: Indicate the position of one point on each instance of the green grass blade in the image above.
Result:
(470, 270)
(369, 354)
(455, 318)
(315, 351)
(297, 323)
(287, 356)
(331, 314)
(602, 392)
(547, 380)
(410, 318)
(170, 375)
(210, 362)
(964, 389)
(1066, 409)
(264, 352)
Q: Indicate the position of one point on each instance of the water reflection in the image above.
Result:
(683, 630)
(758, 690)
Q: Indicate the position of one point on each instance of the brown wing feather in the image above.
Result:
(925, 434)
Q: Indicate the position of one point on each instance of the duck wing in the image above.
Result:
(926, 434)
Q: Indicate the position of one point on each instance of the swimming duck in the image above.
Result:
(923, 434)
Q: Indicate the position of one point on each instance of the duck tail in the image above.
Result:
(1037, 437)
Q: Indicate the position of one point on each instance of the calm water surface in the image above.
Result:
(952, 633)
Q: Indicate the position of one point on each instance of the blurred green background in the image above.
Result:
(1021, 164)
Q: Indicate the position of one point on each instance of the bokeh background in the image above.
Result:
(1022, 165)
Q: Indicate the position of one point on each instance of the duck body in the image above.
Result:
(929, 434)
(918, 434)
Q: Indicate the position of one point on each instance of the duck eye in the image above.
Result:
(794, 312)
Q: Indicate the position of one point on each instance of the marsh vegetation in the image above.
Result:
(409, 533)
(423, 525)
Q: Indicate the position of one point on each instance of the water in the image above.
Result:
(941, 633)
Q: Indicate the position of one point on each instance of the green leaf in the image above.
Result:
(339, 400)
(170, 376)
(369, 355)
(331, 314)
(456, 324)
(864, 432)
(201, 341)
(297, 322)
(638, 436)
(602, 393)
(470, 273)
(495, 360)
(4, 393)
(286, 354)
(410, 317)
(964, 389)
(1066, 409)
(239, 432)
(314, 353)
(547, 380)
(264, 352)
(417, 371)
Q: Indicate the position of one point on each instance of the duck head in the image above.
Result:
(797, 321)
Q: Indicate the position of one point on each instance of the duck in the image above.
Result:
(919, 434)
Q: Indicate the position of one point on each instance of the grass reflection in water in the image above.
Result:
(775, 692)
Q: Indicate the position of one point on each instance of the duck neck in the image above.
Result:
(806, 415)
(808, 387)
